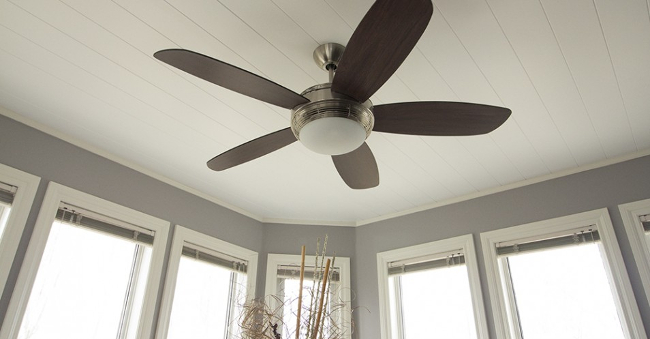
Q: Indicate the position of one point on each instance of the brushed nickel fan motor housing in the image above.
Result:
(324, 103)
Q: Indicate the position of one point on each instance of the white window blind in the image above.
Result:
(645, 220)
(575, 237)
(293, 272)
(424, 263)
(216, 258)
(7, 193)
(74, 215)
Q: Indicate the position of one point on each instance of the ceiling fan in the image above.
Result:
(335, 118)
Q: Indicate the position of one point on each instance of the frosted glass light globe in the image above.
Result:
(333, 135)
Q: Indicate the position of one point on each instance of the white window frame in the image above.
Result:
(184, 236)
(612, 259)
(464, 243)
(57, 193)
(631, 213)
(342, 263)
(27, 185)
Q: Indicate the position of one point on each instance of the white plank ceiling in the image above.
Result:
(576, 75)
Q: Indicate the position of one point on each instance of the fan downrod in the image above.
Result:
(327, 56)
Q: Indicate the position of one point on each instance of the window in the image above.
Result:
(431, 290)
(17, 191)
(7, 193)
(283, 282)
(208, 280)
(560, 278)
(636, 218)
(91, 271)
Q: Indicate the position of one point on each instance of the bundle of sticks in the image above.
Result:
(313, 331)
(317, 317)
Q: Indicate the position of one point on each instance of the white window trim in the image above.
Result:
(183, 236)
(55, 194)
(27, 185)
(634, 228)
(343, 263)
(613, 261)
(464, 243)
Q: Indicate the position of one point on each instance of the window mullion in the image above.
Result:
(231, 305)
(399, 308)
(130, 291)
(4, 216)
(511, 300)
(280, 296)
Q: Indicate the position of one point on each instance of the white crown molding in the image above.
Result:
(310, 222)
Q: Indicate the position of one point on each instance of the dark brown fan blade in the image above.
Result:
(379, 45)
(438, 118)
(358, 168)
(230, 77)
(252, 149)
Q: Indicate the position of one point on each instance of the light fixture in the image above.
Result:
(332, 135)
(331, 123)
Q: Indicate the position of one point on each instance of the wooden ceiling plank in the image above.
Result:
(586, 52)
(182, 32)
(128, 31)
(489, 48)
(626, 29)
(238, 35)
(533, 40)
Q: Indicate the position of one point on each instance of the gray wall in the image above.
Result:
(51, 159)
(604, 187)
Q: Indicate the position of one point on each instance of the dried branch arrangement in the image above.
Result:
(317, 315)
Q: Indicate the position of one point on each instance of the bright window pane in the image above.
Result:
(646, 225)
(202, 300)
(291, 289)
(564, 293)
(81, 285)
(139, 290)
(4, 216)
(394, 322)
(436, 303)
(289, 313)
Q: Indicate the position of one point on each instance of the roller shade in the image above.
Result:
(7, 193)
(216, 258)
(645, 221)
(576, 237)
(429, 262)
(78, 216)
(293, 272)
